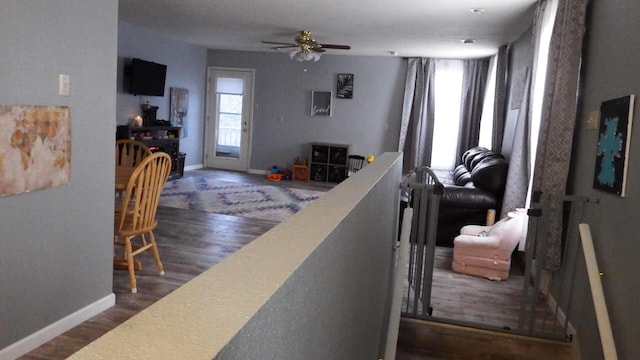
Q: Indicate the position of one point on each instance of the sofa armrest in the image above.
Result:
(474, 229)
(487, 242)
(467, 197)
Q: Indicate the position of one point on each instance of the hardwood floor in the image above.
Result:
(191, 242)
(436, 341)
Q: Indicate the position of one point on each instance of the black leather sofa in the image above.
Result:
(470, 190)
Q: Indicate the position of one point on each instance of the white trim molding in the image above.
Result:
(45, 334)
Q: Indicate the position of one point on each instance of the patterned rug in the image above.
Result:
(238, 199)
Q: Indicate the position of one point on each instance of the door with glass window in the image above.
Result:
(229, 118)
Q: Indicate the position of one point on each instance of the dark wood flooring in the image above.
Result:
(419, 340)
(191, 242)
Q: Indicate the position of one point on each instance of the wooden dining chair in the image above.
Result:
(129, 154)
(135, 214)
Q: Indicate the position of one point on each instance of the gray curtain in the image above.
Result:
(499, 104)
(474, 87)
(416, 129)
(558, 119)
(519, 173)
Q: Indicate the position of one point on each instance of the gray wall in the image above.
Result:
(337, 311)
(520, 55)
(317, 286)
(610, 70)
(186, 68)
(369, 122)
(56, 245)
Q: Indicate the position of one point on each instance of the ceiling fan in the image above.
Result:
(305, 48)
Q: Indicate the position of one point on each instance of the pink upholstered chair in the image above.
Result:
(486, 250)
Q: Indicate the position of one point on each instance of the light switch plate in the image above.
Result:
(593, 120)
(64, 86)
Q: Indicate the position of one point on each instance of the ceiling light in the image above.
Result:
(302, 54)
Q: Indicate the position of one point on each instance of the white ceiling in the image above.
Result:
(426, 28)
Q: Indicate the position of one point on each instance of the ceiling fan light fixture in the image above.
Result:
(302, 55)
(305, 47)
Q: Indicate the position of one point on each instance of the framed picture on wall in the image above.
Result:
(345, 86)
(320, 103)
(614, 139)
(178, 108)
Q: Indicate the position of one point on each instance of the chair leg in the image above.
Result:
(128, 254)
(156, 253)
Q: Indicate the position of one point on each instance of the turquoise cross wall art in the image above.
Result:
(612, 154)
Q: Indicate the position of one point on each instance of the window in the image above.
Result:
(229, 114)
(448, 97)
(486, 123)
(448, 93)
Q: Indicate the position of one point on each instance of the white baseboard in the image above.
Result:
(250, 171)
(258, 171)
(193, 167)
(45, 334)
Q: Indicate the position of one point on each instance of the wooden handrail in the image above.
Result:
(602, 315)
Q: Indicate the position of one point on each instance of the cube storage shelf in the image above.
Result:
(328, 162)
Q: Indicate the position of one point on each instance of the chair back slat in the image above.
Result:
(129, 153)
(140, 201)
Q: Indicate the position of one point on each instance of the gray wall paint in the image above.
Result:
(186, 68)
(369, 122)
(520, 55)
(338, 311)
(610, 71)
(56, 245)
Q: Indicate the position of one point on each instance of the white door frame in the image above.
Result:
(210, 158)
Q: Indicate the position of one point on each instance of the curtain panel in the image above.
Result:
(416, 128)
(474, 87)
(557, 125)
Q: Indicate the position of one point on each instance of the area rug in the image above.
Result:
(266, 202)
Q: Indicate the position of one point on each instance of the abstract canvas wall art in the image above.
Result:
(179, 107)
(614, 139)
(344, 86)
(321, 103)
(35, 148)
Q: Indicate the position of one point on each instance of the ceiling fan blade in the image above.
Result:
(318, 49)
(332, 46)
(278, 43)
(284, 47)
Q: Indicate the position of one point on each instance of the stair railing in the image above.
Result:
(595, 281)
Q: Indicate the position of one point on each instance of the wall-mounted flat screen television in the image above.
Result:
(146, 77)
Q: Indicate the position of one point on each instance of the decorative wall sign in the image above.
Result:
(35, 148)
(320, 103)
(614, 140)
(179, 107)
(345, 86)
